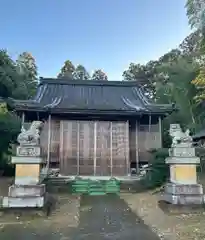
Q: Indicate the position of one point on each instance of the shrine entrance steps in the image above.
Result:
(91, 186)
(94, 187)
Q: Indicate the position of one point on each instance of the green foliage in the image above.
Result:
(26, 64)
(18, 80)
(144, 75)
(99, 75)
(8, 75)
(27, 71)
(169, 80)
(191, 46)
(158, 171)
(196, 13)
(80, 73)
(9, 129)
(67, 70)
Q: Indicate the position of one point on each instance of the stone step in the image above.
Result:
(16, 191)
(21, 202)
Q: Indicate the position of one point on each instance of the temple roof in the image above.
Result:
(199, 135)
(76, 96)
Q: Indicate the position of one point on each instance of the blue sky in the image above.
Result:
(106, 34)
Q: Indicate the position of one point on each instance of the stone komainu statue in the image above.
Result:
(180, 138)
(31, 136)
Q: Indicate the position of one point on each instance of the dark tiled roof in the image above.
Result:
(2, 100)
(198, 135)
(80, 96)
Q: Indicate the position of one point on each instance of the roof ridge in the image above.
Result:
(66, 81)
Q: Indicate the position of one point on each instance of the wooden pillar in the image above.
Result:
(137, 144)
(78, 147)
(111, 159)
(132, 141)
(150, 123)
(22, 119)
(61, 149)
(95, 147)
(127, 148)
(160, 131)
(49, 141)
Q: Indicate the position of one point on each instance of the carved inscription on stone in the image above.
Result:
(184, 189)
(182, 152)
(188, 189)
(28, 151)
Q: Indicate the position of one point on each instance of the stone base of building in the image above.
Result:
(183, 194)
(25, 196)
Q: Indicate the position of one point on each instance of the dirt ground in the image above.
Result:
(76, 217)
(4, 185)
(58, 225)
(169, 227)
(86, 217)
(65, 216)
(128, 216)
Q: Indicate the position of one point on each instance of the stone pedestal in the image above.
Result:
(28, 190)
(183, 188)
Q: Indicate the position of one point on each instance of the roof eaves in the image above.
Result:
(87, 111)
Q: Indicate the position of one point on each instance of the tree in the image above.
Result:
(67, 70)
(99, 75)
(171, 56)
(9, 128)
(196, 16)
(27, 66)
(196, 13)
(27, 70)
(144, 76)
(168, 80)
(81, 73)
(11, 80)
(8, 75)
(190, 46)
(148, 76)
(9, 125)
(199, 83)
(180, 90)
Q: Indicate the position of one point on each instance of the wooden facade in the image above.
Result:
(94, 128)
(100, 148)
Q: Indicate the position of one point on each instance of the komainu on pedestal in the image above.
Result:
(182, 188)
(28, 190)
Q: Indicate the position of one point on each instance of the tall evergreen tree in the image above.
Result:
(67, 70)
(28, 73)
(99, 75)
(8, 75)
(81, 73)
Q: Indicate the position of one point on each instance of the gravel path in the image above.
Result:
(109, 217)
(100, 217)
